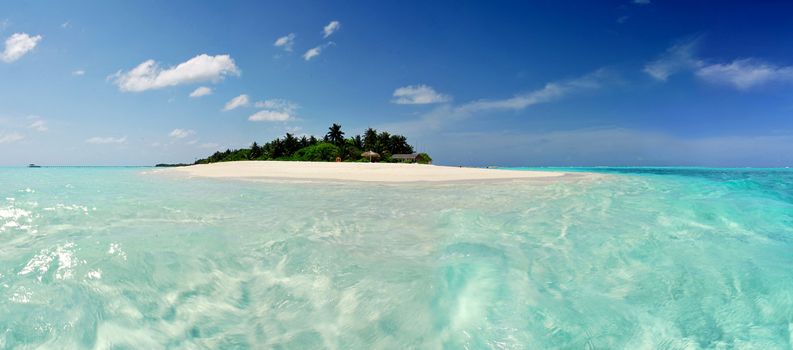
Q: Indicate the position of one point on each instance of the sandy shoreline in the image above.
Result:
(363, 172)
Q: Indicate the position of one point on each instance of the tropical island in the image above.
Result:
(369, 147)
(371, 157)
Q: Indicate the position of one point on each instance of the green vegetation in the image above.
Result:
(332, 145)
(423, 158)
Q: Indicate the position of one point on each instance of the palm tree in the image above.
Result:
(370, 140)
(335, 135)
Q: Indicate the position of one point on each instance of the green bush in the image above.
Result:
(321, 152)
(423, 158)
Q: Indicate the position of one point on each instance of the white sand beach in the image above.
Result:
(365, 172)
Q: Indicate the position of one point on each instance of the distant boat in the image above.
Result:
(33, 166)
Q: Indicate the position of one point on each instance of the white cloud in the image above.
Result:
(641, 2)
(148, 75)
(312, 52)
(274, 110)
(181, 133)
(418, 95)
(550, 92)
(315, 51)
(745, 73)
(742, 74)
(106, 140)
(286, 42)
(10, 137)
(679, 57)
(66, 24)
(331, 28)
(239, 101)
(277, 103)
(78, 72)
(39, 125)
(17, 45)
(446, 114)
(201, 91)
(270, 116)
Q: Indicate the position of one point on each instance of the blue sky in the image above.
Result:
(543, 83)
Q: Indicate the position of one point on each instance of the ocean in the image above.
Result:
(638, 258)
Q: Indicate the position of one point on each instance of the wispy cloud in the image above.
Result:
(66, 24)
(239, 101)
(274, 110)
(17, 45)
(418, 95)
(285, 42)
(78, 72)
(181, 133)
(202, 68)
(39, 125)
(446, 114)
(99, 140)
(10, 137)
(201, 91)
(679, 57)
(315, 51)
(331, 28)
(745, 73)
(641, 2)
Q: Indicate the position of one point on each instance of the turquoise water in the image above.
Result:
(111, 258)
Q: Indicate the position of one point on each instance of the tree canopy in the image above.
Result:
(309, 148)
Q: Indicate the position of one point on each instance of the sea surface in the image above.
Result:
(638, 258)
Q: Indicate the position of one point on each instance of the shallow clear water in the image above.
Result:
(110, 258)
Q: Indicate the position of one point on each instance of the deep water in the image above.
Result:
(640, 258)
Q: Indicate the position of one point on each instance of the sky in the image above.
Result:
(523, 83)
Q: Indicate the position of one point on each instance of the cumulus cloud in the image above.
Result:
(418, 95)
(315, 51)
(99, 140)
(201, 91)
(10, 137)
(445, 114)
(181, 133)
(202, 68)
(78, 72)
(239, 101)
(679, 57)
(39, 125)
(17, 45)
(745, 73)
(331, 28)
(274, 110)
(285, 42)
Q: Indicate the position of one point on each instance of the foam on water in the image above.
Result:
(112, 258)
